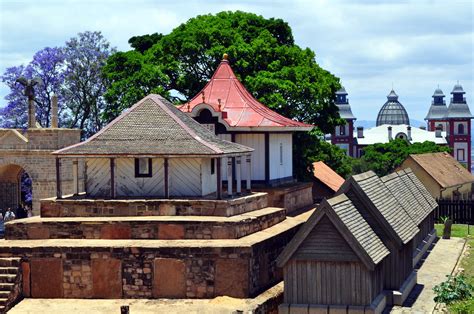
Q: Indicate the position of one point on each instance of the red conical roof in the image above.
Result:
(239, 108)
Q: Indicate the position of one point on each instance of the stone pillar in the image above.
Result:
(238, 174)
(54, 111)
(75, 177)
(229, 177)
(249, 173)
(31, 114)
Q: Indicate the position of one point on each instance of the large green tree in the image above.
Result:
(262, 52)
(384, 158)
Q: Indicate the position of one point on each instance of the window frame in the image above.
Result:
(138, 174)
(463, 155)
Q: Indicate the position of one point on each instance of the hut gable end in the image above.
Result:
(325, 243)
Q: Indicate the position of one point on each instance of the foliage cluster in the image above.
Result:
(455, 288)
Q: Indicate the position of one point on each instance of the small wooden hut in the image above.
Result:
(334, 263)
(392, 224)
(154, 150)
(419, 205)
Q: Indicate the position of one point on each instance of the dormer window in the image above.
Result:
(143, 168)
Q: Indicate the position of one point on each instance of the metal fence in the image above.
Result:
(459, 211)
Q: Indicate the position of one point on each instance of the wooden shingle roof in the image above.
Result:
(327, 176)
(383, 205)
(426, 196)
(351, 225)
(443, 168)
(154, 127)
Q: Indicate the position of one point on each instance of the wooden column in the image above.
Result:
(267, 158)
(249, 173)
(59, 193)
(75, 177)
(229, 177)
(219, 178)
(112, 177)
(238, 174)
(167, 178)
(85, 176)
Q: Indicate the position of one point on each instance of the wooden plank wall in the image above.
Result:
(325, 243)
(257, 142)
(336, 283)
(281, 170)
(209, 181)
(98, 177)
(127, 185)
(398, 265)
(185, 177)
(226, 137)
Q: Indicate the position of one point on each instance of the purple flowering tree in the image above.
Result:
(48, 65)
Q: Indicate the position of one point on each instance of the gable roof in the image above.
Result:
(421, 189)
(408, 195)
(154, 127)
(327, 176)
(226, 95)
(351, 225)
(383, 205)
(443, 168)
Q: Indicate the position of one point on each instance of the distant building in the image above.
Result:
(326, 181)
(446, 125)
(443, 176)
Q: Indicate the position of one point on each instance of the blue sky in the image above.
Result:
(415, 45)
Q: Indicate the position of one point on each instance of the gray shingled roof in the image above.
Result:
(154, 127)
(390, 209)
(345, 112)
(359, 228)
(437, 111)
(458, 110)
(421, 189)
(403, 190)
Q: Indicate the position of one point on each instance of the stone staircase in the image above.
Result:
(10, 277)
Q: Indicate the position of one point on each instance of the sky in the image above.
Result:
(371, 46)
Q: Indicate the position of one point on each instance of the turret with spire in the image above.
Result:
(343, 134)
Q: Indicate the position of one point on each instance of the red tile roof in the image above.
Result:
(238, 107)
(327, 176)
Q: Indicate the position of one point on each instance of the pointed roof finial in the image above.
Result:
(203, 97)
(219, 101)
(225, 56)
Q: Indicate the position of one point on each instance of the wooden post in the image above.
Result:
(249, 173)
(229, 177)
(112, 177)
(238, 174)
(85, 176)
(59, 194)
(75, 177)
(219, 179)
(167, 180)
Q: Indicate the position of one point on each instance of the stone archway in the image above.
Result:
(10, 186)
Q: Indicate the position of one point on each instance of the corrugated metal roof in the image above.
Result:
(154, 127)
(226, 94)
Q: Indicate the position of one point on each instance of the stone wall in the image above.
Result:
(149, 228)
(77, 207)
(291, 197)
(149, 271)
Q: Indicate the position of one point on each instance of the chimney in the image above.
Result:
(423, 127)
(438, 131)
(390, 133)
(360, 132)
(54, 111)
(409, 132)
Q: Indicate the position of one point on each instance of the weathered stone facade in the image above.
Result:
(291, 197)
(30, 150)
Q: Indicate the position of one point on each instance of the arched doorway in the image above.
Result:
(15, 188)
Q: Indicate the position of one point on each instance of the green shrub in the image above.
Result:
(462, 307)
(452, 290)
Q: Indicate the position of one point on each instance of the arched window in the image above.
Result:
(460, 128)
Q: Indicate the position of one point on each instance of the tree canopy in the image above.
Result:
(262, 52)
(385, 158)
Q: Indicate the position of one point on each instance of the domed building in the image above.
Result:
(392, 112)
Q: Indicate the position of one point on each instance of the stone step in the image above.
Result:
(8, 270)
(10, 262)
(4, 293)
(4, 278)
(3, 301)
(6, 286)
(145, 227)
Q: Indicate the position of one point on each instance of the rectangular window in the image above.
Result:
(143, 168)
(281, 154)
(213, 165)
(460, 153)
(342, 130)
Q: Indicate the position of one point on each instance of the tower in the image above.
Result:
(458, 118)
(343, 134)
(436, 116)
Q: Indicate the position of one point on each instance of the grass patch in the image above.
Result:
(458, 231)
